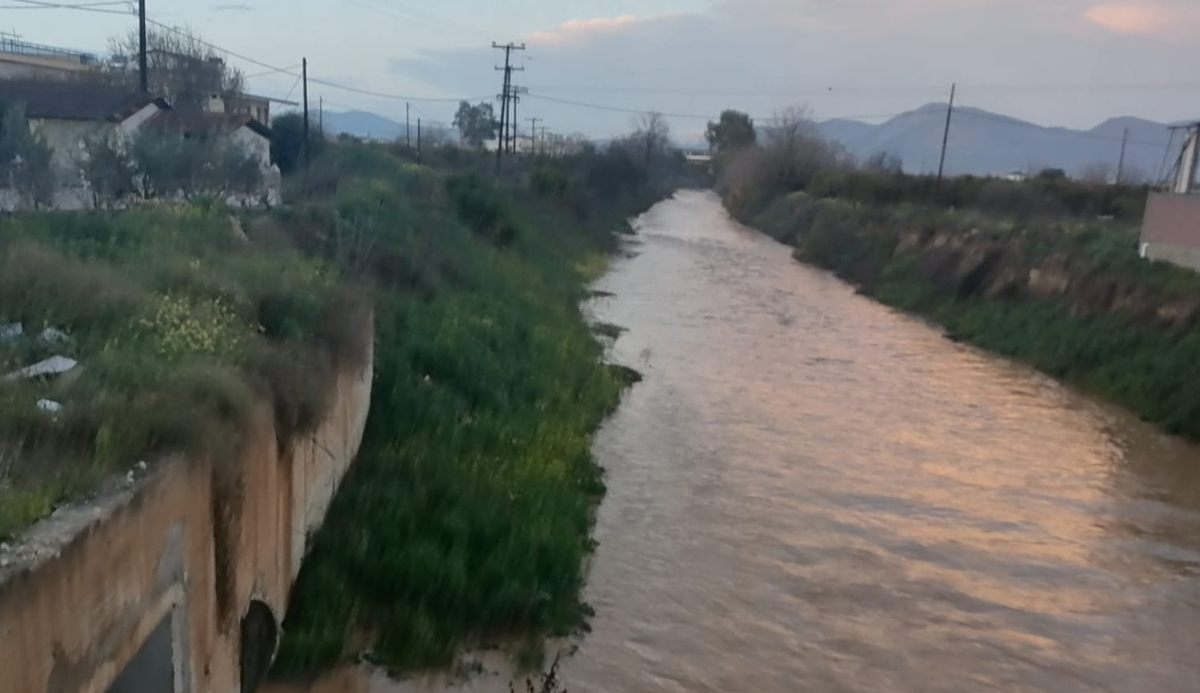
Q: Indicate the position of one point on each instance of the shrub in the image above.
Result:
(480, 206)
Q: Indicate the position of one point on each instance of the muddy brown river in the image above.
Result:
(812, 492)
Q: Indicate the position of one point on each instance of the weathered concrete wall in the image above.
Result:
(1171, 230)
(187, 550)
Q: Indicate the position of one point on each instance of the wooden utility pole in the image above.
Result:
(143, 72)
(946, 135)
(533, 134)
(1121, 161)
(304, 78)
(508, 70)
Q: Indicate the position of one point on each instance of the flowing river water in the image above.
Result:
(812, 492)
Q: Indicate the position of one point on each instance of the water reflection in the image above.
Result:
(811, 492)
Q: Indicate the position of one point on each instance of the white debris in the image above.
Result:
(11, 332)
(53, 336)
(141, 466)
(55, 365)
(5, 548)
(49, 406)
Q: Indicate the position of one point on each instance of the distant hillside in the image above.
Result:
(986, 143)
(363, 124)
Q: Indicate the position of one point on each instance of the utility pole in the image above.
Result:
(407, 126)
(543, 129)
(143, 72)
(1121, 161)
(946, 135)
(304, 77)
(1189, 160)
(508, 70)
(533, 134)
(515, 93)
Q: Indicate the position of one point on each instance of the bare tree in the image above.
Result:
(795, 151)
(883, 162)
(183, 67)
(1098, 172)
(651, 138)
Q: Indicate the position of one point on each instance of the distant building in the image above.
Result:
(67, 114)
(250, 134)
(1171, 230)
(23, 60)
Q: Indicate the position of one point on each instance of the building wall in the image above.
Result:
(17, 66)
(1176, 255)
(1171, 230)
(66, 139)
(183, 554)
(255, 144)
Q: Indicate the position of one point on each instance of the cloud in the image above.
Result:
(232, 7)
(578, 30)
(1133, 19)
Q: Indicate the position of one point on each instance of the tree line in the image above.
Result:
(756, 163)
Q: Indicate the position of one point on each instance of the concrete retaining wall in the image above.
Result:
(176, 582)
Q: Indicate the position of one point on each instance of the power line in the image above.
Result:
(87, 7)
(313, 80)
(273, 72)
(686, 116)
(836, 89)
(29, 5)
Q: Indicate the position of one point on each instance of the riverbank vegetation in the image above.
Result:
(1046, 271)
(465, 521)
(158, 328)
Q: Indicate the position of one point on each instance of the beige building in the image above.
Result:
(23, 60)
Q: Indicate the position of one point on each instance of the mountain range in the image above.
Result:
(981, 142)
(986, 143)
(363, 124)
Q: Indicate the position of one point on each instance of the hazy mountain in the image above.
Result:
(987, 143)
(363, 124)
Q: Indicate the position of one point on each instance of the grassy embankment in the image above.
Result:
(466, 518)
(1064, 292)
(179, 324)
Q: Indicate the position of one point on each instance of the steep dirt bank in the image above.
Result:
(1072, 298)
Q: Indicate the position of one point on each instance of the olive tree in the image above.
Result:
(26, 161)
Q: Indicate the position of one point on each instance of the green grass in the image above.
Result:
(179, 326)
(466, 518)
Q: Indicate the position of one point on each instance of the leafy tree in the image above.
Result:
(108, 171)
(168, 163)
(183, 67)
(1052, 174)
(26, 161)
(734, 131)
(476, 124)
(287, 141)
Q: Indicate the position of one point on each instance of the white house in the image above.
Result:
(69, 113)
(245, 130)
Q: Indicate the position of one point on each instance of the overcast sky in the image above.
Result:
(1056, 62)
